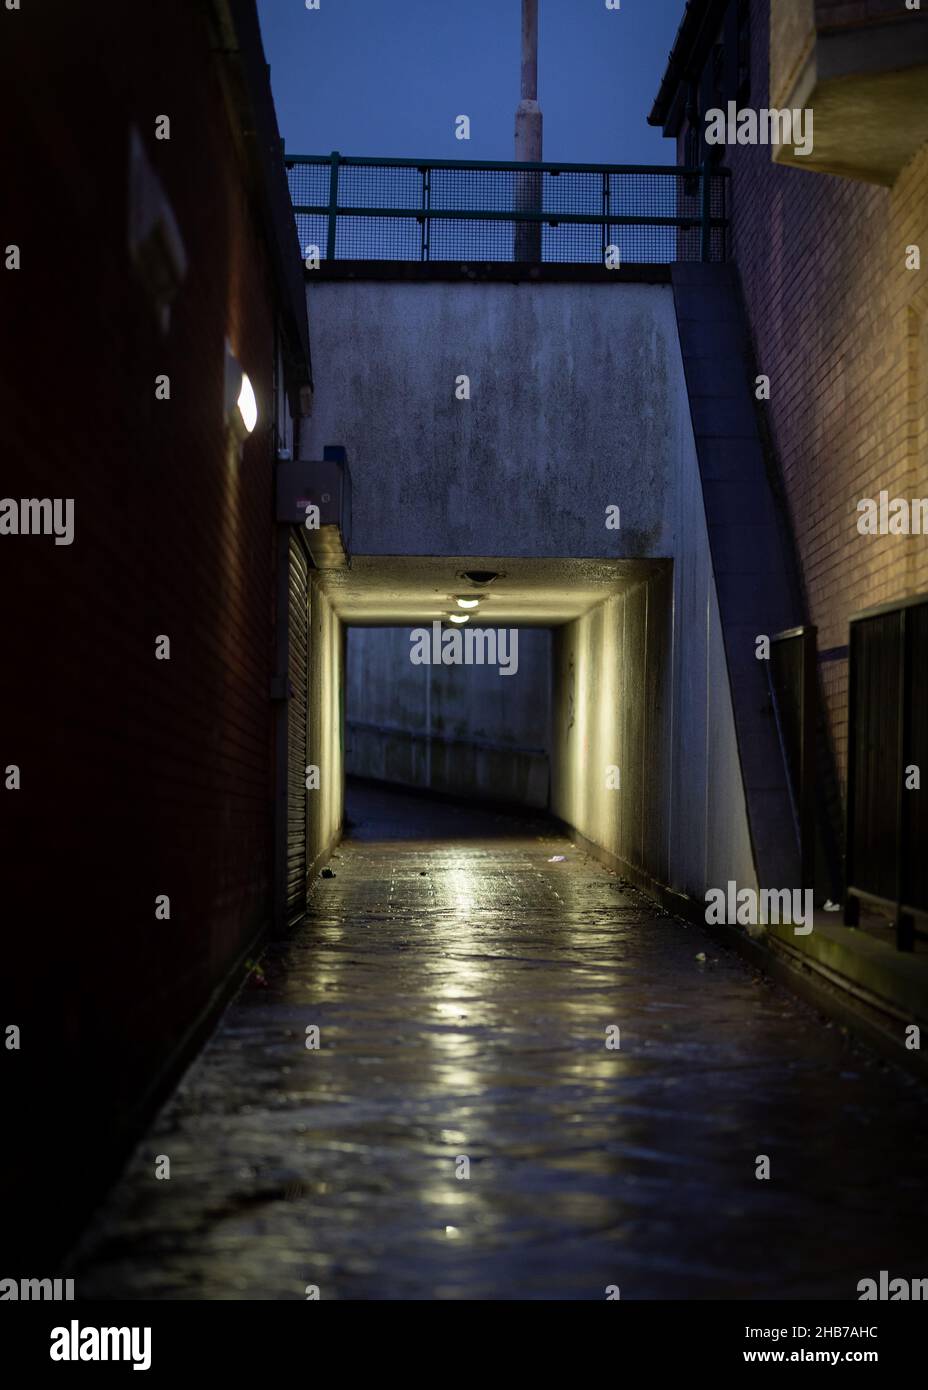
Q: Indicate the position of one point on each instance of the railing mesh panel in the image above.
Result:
(402, 213)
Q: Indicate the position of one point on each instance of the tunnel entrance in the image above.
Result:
(593, 707)
(451, 670)
(616, 716)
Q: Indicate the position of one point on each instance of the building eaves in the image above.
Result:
(696, 34)
(251, 104)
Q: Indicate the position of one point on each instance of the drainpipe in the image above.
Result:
(528, 139)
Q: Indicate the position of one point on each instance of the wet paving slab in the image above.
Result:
(463, 1130)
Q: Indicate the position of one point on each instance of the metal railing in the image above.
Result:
(462, 210)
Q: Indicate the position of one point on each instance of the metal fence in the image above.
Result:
(458, 210)
(887, 822)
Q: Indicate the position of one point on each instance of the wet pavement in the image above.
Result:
(463, 984)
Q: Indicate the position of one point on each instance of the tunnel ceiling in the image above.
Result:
(386, 590)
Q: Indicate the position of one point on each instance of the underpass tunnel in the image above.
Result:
(636, 533)
(455, 696)
(595, 691)
(464, 731)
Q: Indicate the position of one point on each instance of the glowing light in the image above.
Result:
(458, 618)
(247, 405)
(468, 602)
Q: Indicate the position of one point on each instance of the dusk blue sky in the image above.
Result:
(388, 77)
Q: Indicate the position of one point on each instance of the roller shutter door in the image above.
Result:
(296, 730)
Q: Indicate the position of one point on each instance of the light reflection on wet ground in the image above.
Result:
(463, 985)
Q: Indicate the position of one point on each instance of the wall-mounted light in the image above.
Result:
(247, 405)
(458, 617)
(463, 602)
(241, 406)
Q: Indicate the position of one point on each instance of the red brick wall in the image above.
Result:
(139, 776)
(839, 327)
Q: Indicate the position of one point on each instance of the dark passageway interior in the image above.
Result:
(466, 970)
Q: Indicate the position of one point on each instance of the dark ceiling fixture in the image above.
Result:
(480, 576)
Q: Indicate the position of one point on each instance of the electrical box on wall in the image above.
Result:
(316, 495)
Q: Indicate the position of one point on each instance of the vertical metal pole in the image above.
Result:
(527, 245)
(705, 250)
(529, 50)
(333, 205)
(426, 203)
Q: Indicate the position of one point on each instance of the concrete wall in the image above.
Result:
(641, 684)
(325, 731)
(460, 729)
(572, 408)
(611, 710)
(578, 400)
(792, 47)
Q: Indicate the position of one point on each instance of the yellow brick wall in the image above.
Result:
(841, 327)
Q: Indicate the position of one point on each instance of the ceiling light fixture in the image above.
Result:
(480, 576)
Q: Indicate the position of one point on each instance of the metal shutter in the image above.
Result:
(296, 729)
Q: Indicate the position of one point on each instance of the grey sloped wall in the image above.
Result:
(642, 683)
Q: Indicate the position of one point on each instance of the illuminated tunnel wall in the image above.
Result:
(641, 685)
(325, 729)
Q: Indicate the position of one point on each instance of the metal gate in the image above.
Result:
(297, 671)
(887, 828)
(791, 672)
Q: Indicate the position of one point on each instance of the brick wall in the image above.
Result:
(139, 777)
(839, 326)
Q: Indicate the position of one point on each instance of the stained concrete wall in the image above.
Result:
(641, 684)
(459, 729)
(578, 401)
(325, 730)
(574, 405)
(611, 721)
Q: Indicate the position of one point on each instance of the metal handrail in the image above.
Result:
(508, 165)
(425, 214)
